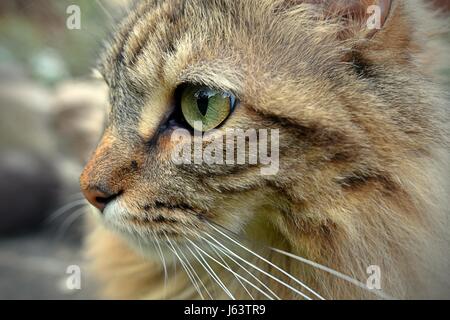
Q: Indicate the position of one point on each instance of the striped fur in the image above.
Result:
(363, 145)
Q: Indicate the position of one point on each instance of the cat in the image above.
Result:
(359, 206)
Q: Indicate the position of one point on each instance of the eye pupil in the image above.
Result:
(205, 108)
(203, 102)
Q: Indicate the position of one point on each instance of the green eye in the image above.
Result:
(204, 108)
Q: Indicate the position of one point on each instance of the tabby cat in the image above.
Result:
(359, 206)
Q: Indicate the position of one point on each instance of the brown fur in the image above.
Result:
(364, 148)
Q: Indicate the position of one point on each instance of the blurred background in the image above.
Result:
(51, 116)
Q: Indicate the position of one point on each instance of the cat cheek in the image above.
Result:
(167, 145)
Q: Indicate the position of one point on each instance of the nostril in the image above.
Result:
(99, 199)
(104, 200)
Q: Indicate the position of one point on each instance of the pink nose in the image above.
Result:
(98, 198)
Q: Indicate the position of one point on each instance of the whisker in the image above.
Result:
(338, 274)
(213, 275)
(271, 264)
(259, 269)
(197, 248)
(247, 271)
(204, 267)
(163, 260)
(239, 280)
(107, 13)
(68, 222)
(193, 281)
(59, 212)
(196, 274)
(77, 196)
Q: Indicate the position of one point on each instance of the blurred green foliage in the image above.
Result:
(34, 35)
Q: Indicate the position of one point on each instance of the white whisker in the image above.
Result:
(163, 260)
(197, 248)
(335, 273)
(194, 283)
(247, 271)
(211, 272)
(59, 212)
(259, 269)
(239, 280)
(206, 269)
(68, 222)
(107, 13)
(74, 196)
(271, 264)
(195, 273)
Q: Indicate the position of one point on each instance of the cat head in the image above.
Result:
(327, 80)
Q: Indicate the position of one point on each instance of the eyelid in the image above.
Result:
(181, 86)
(225, 83)
(234, 100)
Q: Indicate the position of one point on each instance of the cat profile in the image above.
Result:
(363, 150)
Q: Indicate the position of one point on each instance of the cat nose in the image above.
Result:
(98, 199)
(107, 174)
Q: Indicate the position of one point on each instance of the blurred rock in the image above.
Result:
(49, 66)
(25, 117)
(35, 267)
(80, 108)
(29, 190)
(48, 128)
(46, 135)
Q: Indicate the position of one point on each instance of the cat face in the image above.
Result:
(282, 66)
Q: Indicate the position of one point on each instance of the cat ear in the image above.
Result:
(363, 17)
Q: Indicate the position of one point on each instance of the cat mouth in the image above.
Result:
(159, 219)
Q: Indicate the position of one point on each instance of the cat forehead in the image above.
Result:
(237, 46)
(158, 24)
(159, 38)
(156, 29)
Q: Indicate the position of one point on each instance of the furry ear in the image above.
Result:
(360, 17)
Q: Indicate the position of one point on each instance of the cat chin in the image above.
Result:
(116, 217)
(151, 249)
(168, 252)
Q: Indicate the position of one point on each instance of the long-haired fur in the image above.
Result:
(364, 150)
